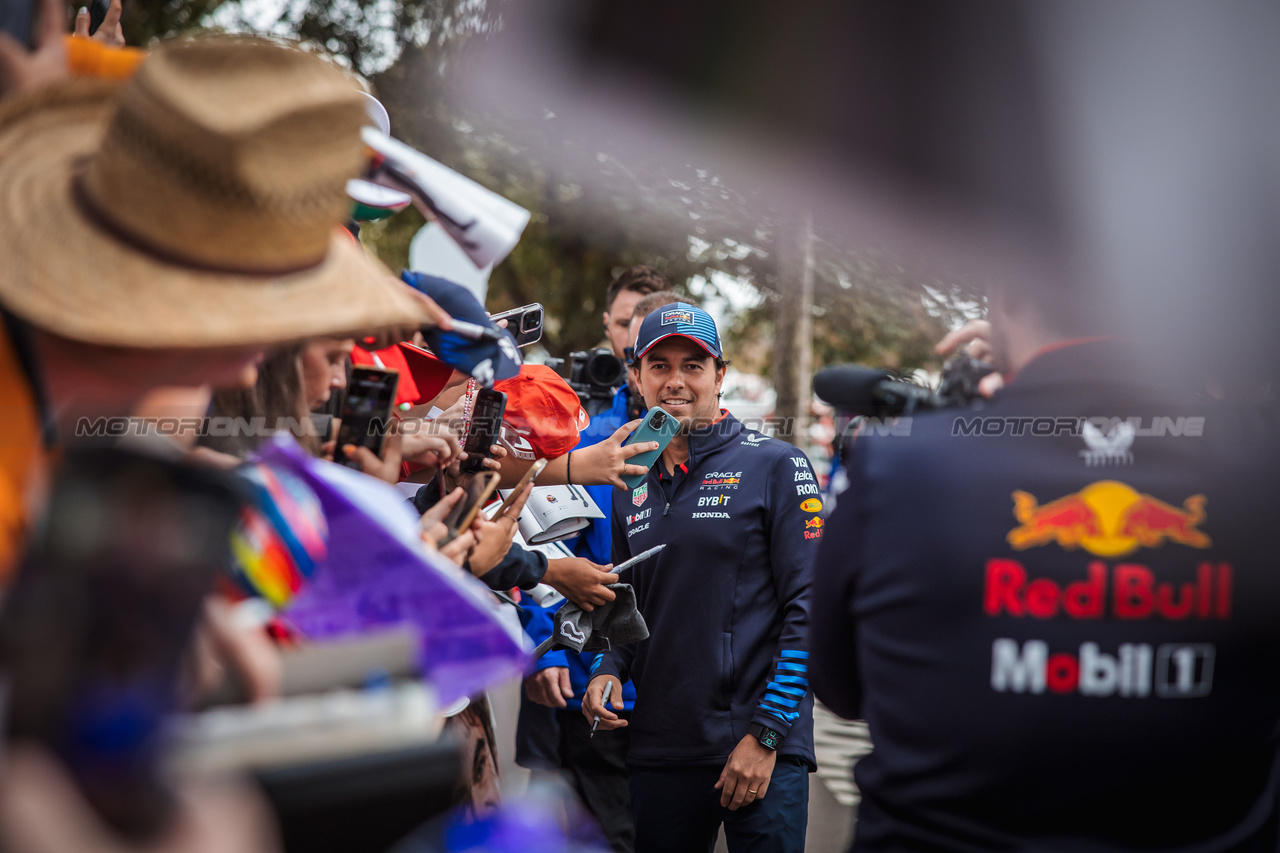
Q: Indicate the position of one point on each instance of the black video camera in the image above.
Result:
(872, 392)
(594, 374)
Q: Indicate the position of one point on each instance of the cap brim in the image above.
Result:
(429, 373)
(641, 354)
(66, 275)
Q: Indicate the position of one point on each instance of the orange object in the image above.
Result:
(88, 58)
(23, 462)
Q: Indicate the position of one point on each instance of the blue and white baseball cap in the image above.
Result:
(683, 320)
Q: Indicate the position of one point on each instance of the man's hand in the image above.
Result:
(592, 706)
(494, 538)
(549, 687)
(746, 774)
(21, 68)
(431, 526)
(606, 462)
(109, 31)
(976, 334)
(432, 444)
(581, 581)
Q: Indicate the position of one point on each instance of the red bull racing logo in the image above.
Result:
(1107, 519)
(813, 528)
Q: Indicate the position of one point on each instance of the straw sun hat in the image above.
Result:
(196, 205)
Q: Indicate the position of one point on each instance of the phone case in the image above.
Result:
(485, 428)
(663, 433)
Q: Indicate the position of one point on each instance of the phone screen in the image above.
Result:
(96, 627)
(486, 426)
(366, 412)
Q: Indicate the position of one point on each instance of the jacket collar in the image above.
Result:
(711, 438)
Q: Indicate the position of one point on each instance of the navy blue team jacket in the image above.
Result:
(727, 602)
(1062, 638)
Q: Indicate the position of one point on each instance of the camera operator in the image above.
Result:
(1055, 624)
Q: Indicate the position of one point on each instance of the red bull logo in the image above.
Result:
(1108, 519)
(813, 528)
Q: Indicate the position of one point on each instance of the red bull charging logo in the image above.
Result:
(1107, 518)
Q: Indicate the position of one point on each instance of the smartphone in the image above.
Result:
(524, 323)
(366, 411)
(97, 14)
(529, 476)
(473, 499)
(20, 18)
(96, 629)
(484, 430)
(657, 426)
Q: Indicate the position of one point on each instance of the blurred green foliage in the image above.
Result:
(591, 219)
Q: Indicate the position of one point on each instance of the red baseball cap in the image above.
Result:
(543, 416)
(407, 390)
(430, 374)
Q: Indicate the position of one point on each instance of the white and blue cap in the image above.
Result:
(680, 319)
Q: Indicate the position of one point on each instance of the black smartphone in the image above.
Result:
(98, 623)
(524, 323)
(485, 428)
(97, 14)
(20, 19)
(366, 411)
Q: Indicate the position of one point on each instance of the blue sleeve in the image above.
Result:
(539, 622)
(519, 568)
(616, 661)
(793, 538)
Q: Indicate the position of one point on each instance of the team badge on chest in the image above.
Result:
(640, 495)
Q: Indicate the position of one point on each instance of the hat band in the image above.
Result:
(92, 211)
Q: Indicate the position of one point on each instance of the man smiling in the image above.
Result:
(722, 730)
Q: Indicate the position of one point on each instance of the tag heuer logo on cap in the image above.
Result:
(640, 495)
(679, 315)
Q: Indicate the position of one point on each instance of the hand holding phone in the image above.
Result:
(524, 323)
(529, 476)
(366, 412)
(465, 510)
(657, 426)
(484, 430)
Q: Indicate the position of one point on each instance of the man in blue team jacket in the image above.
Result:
(722, 730)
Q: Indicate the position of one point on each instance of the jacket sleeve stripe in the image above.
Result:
(793, 667)
(787, 717)
(782, 701)
(790, 691)
(788, 653)
(792, 679)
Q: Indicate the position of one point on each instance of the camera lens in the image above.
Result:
(531, 321)
(604, 369)
(658, 419)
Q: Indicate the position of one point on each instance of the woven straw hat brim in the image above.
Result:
(65, 274)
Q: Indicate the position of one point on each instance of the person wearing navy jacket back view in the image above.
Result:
(722, 728)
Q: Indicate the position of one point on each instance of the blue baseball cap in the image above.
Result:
(487, 361)
(681, 319)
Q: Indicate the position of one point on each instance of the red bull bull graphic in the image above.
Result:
(1108, 519)
(813, 528)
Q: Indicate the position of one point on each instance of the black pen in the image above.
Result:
(604, 700)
